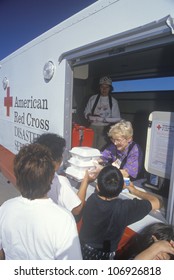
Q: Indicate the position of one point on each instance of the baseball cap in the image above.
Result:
(105, 80)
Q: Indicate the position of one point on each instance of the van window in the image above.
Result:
(152, 84)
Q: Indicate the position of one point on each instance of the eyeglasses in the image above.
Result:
(118, 141)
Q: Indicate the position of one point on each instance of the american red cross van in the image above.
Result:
(43, 82)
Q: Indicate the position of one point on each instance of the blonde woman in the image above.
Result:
(123, 152)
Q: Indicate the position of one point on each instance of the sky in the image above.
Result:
(23, 20)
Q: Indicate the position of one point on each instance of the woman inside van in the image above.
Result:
(123, 152)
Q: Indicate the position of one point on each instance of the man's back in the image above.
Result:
(37, 229)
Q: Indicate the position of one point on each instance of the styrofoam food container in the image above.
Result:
(81, 163)
(86, 153)
(95, 118)
(76, 172)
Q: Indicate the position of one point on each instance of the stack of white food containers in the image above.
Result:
(82, 159)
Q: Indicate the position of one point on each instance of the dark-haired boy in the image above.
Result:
(105, 216)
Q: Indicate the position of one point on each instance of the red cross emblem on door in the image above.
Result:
(158, 127)
(8, 102)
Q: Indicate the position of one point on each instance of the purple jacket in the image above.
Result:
(131, 158)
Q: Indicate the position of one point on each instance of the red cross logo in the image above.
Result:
(158, 127)
(8, 100)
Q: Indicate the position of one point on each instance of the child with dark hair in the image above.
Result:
(32, 226)
(54, 142)
(154, 242)
(106, 216)
(110, 182)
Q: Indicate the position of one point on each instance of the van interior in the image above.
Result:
(135, 106)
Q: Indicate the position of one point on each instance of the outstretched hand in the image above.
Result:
(90, 175)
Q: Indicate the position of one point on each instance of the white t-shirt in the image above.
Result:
(38, 230)
(62, 193)
(102, 109)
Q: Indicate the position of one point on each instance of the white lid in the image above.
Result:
(81, 163)
(85, 152)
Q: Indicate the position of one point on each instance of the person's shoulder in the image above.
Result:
(136, 147)
(135, 144)
(92, 197)
(60, 181)
(65, 186)
(109, 147)
(11, 201)
(58, 209)
(93, 96)
(63, 179)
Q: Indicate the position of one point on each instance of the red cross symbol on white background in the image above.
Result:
(158, 127)
(8, 101)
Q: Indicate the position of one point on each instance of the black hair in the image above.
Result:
(110, 182)
(160, 230)
(54, 142)
(142, 240)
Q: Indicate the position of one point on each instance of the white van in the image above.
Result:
(45, 84)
